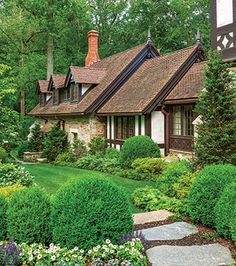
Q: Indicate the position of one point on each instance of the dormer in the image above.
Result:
(80, 80)
(42, 91)
(56, 86)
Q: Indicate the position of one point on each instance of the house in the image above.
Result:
(135, 92)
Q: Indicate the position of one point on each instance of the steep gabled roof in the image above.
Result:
(57, 80)
(42, 86)
(190, 85)
(148, 83)
(88, 75)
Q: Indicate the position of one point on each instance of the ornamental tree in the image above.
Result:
(36, 140)
(216, 134)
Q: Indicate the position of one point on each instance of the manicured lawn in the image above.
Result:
(53, 177)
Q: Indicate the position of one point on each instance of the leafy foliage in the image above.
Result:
(36, 139)
(3, 210)
(28, 216)
(225, 210)
(89, 211)
(174, 170)
(55, 143)
(7, 191)
(97, 145)
(149, 165)
(138, 147)
(78, 148)
(206, 191)
(3, 155)
(216, 107)
(13, 174)
(112, 153)
(66, 158)
(182, 185)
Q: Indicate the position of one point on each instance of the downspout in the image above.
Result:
(167, 128)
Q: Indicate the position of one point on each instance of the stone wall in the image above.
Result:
(85, 127)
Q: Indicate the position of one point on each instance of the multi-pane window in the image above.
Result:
(182, 119)
(74, 92)
(125, 127)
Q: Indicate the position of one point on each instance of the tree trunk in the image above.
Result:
(22, 89)
(50, 47)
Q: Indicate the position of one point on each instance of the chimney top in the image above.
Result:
(92, 55)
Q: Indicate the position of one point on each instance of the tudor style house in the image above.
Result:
(135, 92)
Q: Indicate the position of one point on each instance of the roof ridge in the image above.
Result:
(174, 52)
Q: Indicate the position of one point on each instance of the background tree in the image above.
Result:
(36, 139)
(216, 107)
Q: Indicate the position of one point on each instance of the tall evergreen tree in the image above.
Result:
(216, 142)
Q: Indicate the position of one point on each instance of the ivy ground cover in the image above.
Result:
(53, 177)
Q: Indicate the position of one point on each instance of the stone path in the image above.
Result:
(170, 255)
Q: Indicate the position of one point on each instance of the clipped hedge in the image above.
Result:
(149, 165)
(206, 191)
(28, 216)
(3, 210)
(138, 147)
(88, 211)
(225, 210)
(233, 229)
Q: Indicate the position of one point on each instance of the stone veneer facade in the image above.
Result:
(85, 127)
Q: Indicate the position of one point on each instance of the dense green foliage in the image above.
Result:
(90, 211)
(78, 148)
(225, 210)
(7, 191)
(55, 143)
(3, 155)
(206, 191)
(216, 107)
(97, 145)
(14, 174)
(65, 158)
(28, 216)
(174, 170)
(233, 229)
(182, 185)
(138, 147)
(36, 139)
(149, 165)
(3, 223)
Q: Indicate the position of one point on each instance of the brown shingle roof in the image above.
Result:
(58, 80)
(114, 65)
(146, 83)
(43, 85)
(190, 85)
(87, 74)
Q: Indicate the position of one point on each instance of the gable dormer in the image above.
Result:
(56, 86)
(80, 80)
(42, 91)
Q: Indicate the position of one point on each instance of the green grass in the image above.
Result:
(53, 177)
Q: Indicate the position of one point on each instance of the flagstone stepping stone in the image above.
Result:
(149, 217)
(172, 231)
(205, 255)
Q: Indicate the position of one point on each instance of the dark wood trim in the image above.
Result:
(198, 53)
(122, 78)
(181, 101)
(118, 114)
(148, 125)
(110, 121)
(166, 128)
(139, 124)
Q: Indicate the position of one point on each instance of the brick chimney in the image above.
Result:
(92, 55)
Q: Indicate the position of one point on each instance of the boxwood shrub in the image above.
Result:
(149, 165)
(86, 212)
(225, 210)
(138, 147)
(3, 209)
(28, 216)
(207, 189)
(233, 229)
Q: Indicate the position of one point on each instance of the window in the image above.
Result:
(182, 119)
(74, 93)
(75, 135)
(55, 96)
(125, 127)
(42, 99)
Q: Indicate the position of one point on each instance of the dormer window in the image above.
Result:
(74, 92)
(55, 96)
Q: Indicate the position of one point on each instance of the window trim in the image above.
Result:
(127, 134)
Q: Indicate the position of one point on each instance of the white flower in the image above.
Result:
(74, 255)
(53, 258)
(76, 248)
(82, 251)
(90, 251)
(80, 257)
(108, 241)
(51, 245)
(112, 251)
(132, 244)
(95, 249)
(39, 256)
(31, 258)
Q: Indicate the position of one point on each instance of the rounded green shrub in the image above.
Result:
(233, 229)
(207, 189)
(86, 212)
(149, 165)
(28, 216)
(225, 210)
(138, 147)
(66, 158)
(3, 210)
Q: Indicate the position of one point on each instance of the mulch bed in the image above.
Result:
(199, 238)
